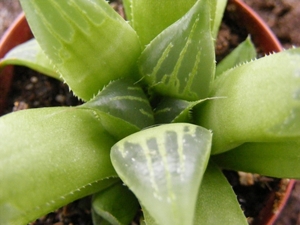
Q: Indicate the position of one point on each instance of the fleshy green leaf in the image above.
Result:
(163, 166)
(179, 62)
(217, 8)
(149, 18)
(127, 4)
(123, 108)
(172, 110)
(87, 41)
(276, 159)
(245, 52)
(261, 102)
(217, 203)
(50, 157)
(31, 55)
(215, 195)
(116, 204)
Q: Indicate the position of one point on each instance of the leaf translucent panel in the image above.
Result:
(75, 35)
(276, 159)
(163, 166)
(179, 62)
(49, 159)
(261, 102)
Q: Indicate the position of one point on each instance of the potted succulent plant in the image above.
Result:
(131, 78)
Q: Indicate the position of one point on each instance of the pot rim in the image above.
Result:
(248, 14)
(255, 25)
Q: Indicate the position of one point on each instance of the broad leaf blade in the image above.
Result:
(123, 108)
(276, 159)
(48, 159)
(87, 41)
(261, 102)
(217, 203)
(245, 52)
(179, 62)
(30, 54)
(163, 166)
(116, 204)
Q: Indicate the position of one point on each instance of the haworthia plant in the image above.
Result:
(164, 167)
(179, 62)
(122, 130)
(76, 42)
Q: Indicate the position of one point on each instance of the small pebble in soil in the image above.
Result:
(20, 106)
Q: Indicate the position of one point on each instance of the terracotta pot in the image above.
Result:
(260, 33)
(267, 42)
(16, 34)
(262, 36)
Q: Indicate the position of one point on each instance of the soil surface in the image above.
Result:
(283, 16)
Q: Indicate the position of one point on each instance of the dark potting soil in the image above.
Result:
(34, 90)
(283, 17)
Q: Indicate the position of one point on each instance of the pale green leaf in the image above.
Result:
(215, 195)
(163, 166)
(217, 203)
(276, 159)
(149, 18)
(50, 157)
(217, 8)
(87, 41)
(245, 52)
(116, 204)
(179, 62)
(122, 107)
(30, 54)
(261, 102)
(148, 219)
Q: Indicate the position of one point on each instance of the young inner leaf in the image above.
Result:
(179, 62)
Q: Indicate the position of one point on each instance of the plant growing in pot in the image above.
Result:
(156, 115)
